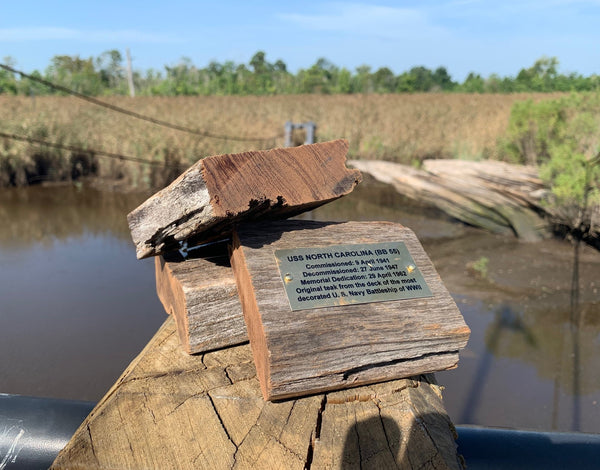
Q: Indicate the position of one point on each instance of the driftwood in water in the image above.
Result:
(218, 191)
(497, 196)
(170, 410)
(201, 294)
(333, 347)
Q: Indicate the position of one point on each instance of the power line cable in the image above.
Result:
(72, 148)
(136, 115)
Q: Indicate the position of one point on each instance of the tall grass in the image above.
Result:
(402, 128)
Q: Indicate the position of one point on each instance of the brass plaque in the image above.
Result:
(349, 274)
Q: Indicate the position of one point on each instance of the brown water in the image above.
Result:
(76, 306)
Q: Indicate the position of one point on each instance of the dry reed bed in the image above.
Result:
(403, 128)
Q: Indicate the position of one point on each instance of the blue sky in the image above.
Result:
(462, 35)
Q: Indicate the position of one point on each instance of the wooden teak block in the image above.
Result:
(364, 304)
(216, 192)
(201, 294)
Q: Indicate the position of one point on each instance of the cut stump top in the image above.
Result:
(170, 410)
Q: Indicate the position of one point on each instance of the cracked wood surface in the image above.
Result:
(171, 410)
(201, 294)
(308, 351)
(216, 192)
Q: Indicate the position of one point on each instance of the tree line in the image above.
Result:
(105, 75)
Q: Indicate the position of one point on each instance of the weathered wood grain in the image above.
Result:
(170, 410)
(309, 351)
(218, 191)
(397, 425)
(201, 294)
(502, 198)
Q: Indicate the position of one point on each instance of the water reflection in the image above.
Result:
(507, 323)
(534, 351)
(39, 214)
(540, 348)
(77, 306)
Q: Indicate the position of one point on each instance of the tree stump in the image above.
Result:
(171, 410)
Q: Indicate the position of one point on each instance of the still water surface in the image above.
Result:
(76, 306)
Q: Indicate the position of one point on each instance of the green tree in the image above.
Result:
(442, 79)
(406, 83)
(262, 79)
(420, 79)
(8, 82)
(259, 63)
(319, 78)
(243, 80)
(110, 68)
(283, 80)
(105, 75)
(181, 79)
(31, 87)
(541, 76)
(531, 129)
(344, 81)
(384, 80)
(362, 82)
(423, 78)
(474, 83)
(75, 73)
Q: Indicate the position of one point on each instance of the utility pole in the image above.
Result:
(130, 75)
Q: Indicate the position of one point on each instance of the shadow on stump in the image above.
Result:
(378, 443)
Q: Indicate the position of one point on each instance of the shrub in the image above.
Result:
(562, 137)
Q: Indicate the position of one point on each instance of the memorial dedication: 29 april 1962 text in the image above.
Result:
(349, 274)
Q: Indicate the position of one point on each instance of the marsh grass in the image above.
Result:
(401, 128)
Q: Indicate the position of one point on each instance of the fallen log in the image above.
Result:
(216, 192)
(170, 410)
(496, 196)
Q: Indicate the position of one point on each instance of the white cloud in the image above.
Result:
(515, 9)
(52, 33)
(361, 19)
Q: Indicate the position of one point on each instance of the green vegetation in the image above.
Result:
(105, 75)
(480, 267)
(562, 137)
